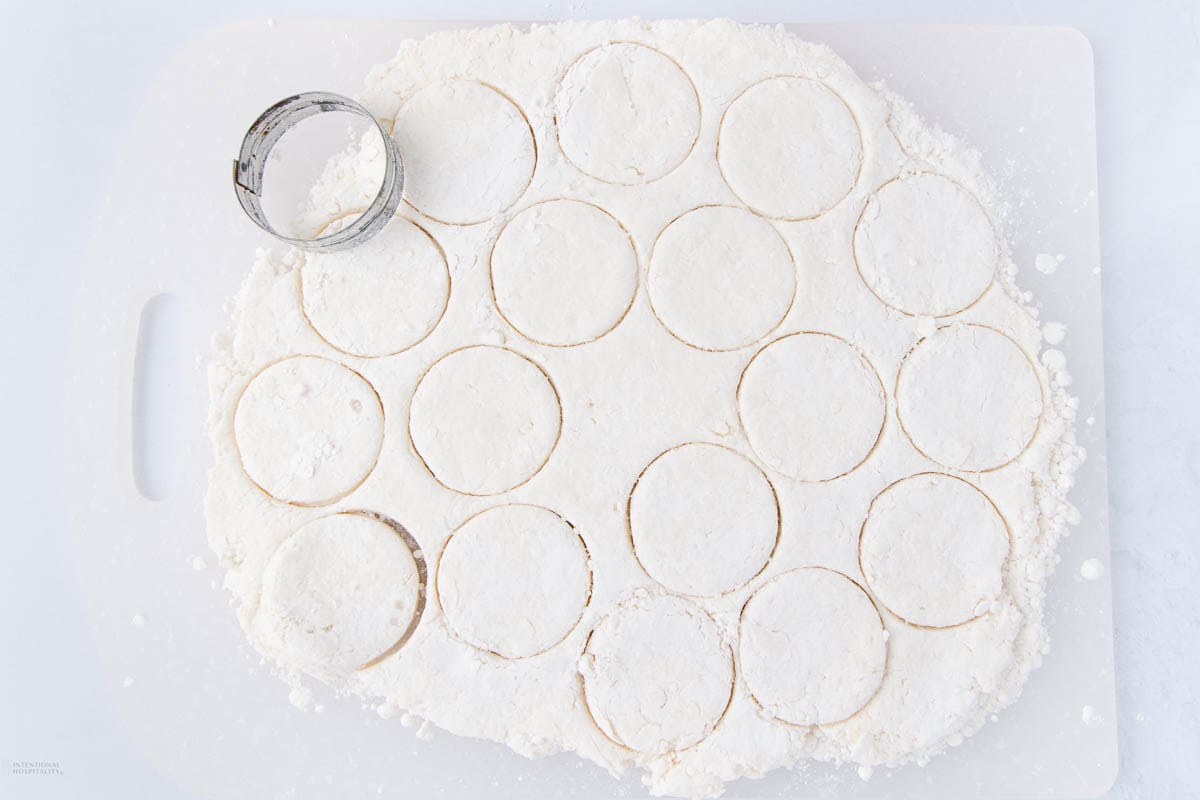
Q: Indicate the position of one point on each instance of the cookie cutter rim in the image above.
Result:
(251, 164)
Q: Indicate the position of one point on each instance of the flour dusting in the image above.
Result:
(644, 269)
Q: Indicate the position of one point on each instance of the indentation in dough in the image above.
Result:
(703, 519)
(468, 151)
(484, 420)
(720, 278)
(308, 430)
(789, 148)
(932, 550)
(656, 675)
(626, 113)
(968, 398)
(381, 297)
(341, 593)
(811, 405)
(924, 246)
(564, 272)
(811, 646)
(514, 580)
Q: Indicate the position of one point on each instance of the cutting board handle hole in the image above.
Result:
(157, 382)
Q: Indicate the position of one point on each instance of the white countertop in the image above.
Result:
(73, 74)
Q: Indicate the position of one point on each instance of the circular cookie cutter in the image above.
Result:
(271, 125)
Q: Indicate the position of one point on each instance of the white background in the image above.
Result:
(74, 73)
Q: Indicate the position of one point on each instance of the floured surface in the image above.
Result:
(637, 391)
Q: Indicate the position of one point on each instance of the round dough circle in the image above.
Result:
(468, 151)
(932, 550)
(636, 664)
(720, 278)
(484, 420)
(340, 593)
(626, 114)
(968, 398)
(811, 405)
(514, 580)
(381, 297)
(564, 272)
(924, 246)
(308, 430)
(812, 647)
(703, 519)
(789, 148)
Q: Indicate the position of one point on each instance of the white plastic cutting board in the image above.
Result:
(212, 718)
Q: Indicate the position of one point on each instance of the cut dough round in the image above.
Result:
(925, 246)
(484, 420)
(340, 593)
(564, 272)
(635, 668)
(812, 647)
(514, 580)
(703, 519)
(381, 297)
(968, 398)
(811, 405)
(626, 114)
(308, 430)
(468, 151)
(720, 278)
(789, 147)
(933, 549)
